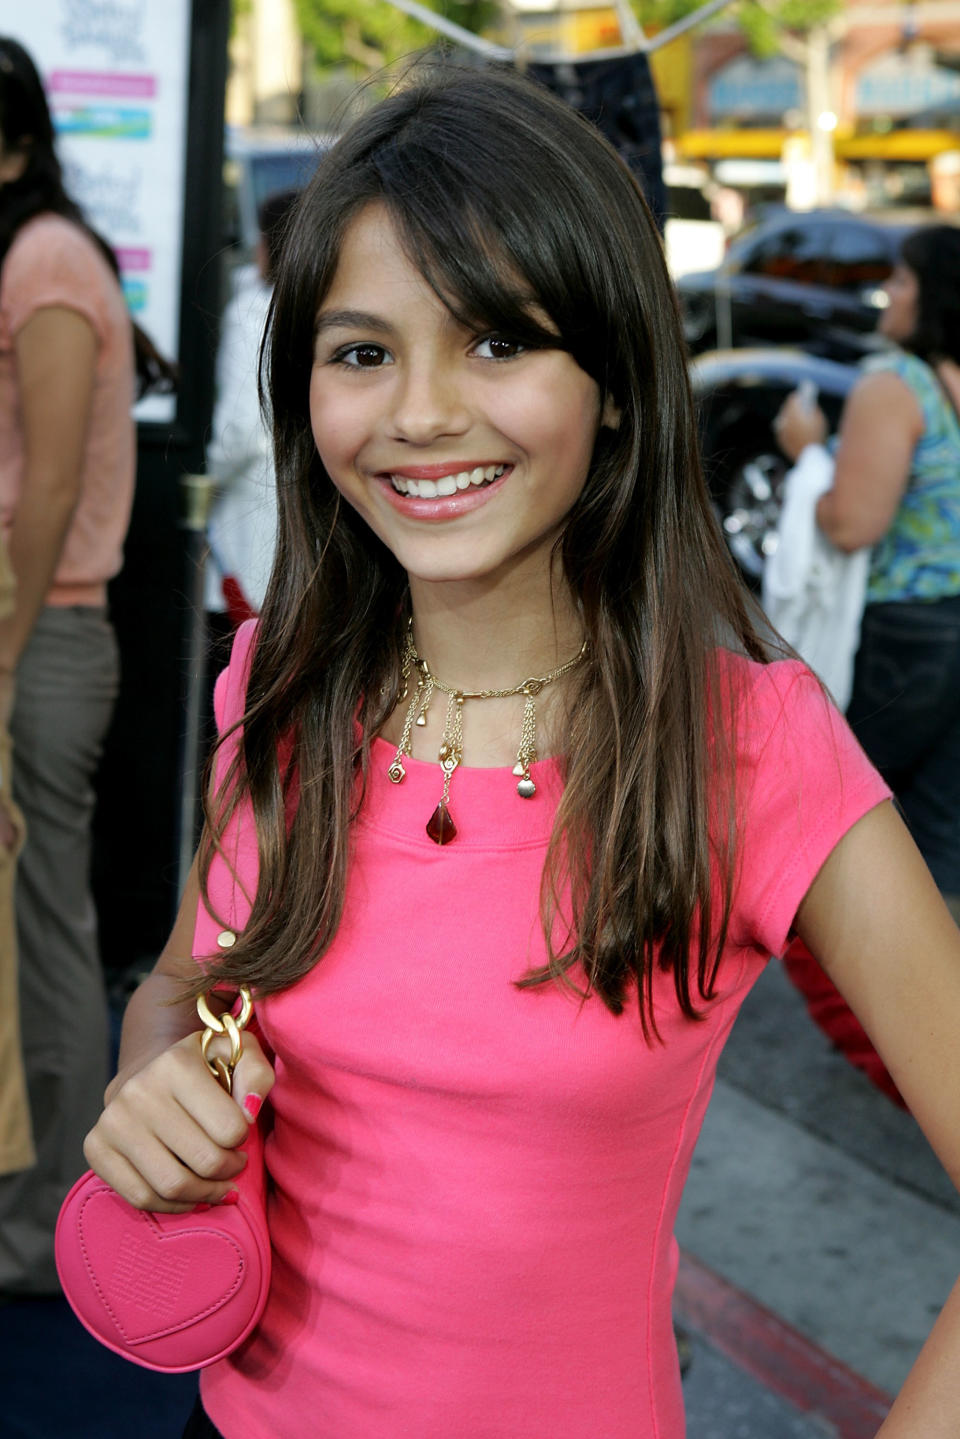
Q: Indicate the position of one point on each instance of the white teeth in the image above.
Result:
(448, 484)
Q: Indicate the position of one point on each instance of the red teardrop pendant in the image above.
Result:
(440, 825)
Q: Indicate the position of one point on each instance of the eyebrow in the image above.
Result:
(350, 320)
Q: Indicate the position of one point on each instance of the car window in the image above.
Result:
(860, 257)
(798, 252)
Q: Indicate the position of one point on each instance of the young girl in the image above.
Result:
(519, 812)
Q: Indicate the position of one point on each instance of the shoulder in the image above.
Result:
(53, 262)
(763, 693)
(885, 373)
(790, 738)
(230, 692)
(51, 243)
(891, 387)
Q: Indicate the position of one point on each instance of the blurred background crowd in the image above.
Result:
(804, 162)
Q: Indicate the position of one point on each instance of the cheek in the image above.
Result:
(335, 431)
(558, 423)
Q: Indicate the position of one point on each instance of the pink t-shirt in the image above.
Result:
(53, 263)
(475, 1187)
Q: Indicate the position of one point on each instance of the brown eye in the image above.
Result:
(362, 357)
(498, 347)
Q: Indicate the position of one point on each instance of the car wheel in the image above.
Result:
(750, 508)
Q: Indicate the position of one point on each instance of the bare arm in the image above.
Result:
(882, 422)
(877, 923)
(55, 355)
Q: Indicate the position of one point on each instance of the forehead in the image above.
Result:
(372, 259)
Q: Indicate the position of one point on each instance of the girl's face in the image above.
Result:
(464, 452)
(899, 320)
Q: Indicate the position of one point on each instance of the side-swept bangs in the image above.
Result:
(574, 254)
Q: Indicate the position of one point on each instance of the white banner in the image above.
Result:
(116, 76)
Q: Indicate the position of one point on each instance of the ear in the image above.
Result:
(610, 415)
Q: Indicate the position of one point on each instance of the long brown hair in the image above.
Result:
(486, 177)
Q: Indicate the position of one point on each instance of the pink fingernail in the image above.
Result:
(232, 1196)
(201, 1208)
(253, 1104)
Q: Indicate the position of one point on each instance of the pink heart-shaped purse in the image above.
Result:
(172, 1292)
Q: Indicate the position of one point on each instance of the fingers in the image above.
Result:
(154, 1177)
(253, 1078)
(9, 833)
(169, 1138)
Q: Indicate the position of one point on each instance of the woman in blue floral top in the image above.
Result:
(896, 487)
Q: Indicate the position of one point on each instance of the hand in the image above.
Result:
(9, 829)
(170, 1138)
(798, 425)
(7, 692)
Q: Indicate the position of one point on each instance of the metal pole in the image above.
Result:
(196, 493)
(681, 27)
(629, 26)
(463, 37)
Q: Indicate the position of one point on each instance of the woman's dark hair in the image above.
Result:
(513, 208)
(933, 254)
(273, 216)
(26, 129)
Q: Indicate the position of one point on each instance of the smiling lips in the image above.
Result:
(445, 485)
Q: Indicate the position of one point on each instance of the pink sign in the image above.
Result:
(130, 259)
(92, 82)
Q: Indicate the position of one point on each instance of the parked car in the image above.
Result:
(810, 279)
(738, 394)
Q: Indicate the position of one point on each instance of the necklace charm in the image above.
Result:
(527, 752)
(440, 826)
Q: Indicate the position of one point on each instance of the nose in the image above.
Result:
(429, 402)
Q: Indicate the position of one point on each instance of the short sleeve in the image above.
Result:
(52, 264)
(802, 782)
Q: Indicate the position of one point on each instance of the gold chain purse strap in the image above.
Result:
(230, 1025)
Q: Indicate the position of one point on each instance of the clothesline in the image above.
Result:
(629, 26)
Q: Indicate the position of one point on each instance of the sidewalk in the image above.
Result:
(754, 1377)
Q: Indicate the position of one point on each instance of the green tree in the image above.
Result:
(763, 21)
(372, 33)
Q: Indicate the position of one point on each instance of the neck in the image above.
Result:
(475, 639)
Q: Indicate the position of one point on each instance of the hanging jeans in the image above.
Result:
(905, 711)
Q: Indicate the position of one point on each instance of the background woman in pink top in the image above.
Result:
(67, 458)
(520, 806)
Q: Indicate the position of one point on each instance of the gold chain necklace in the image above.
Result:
(440, 826)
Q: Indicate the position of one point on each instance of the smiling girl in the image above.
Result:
(512, 805)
